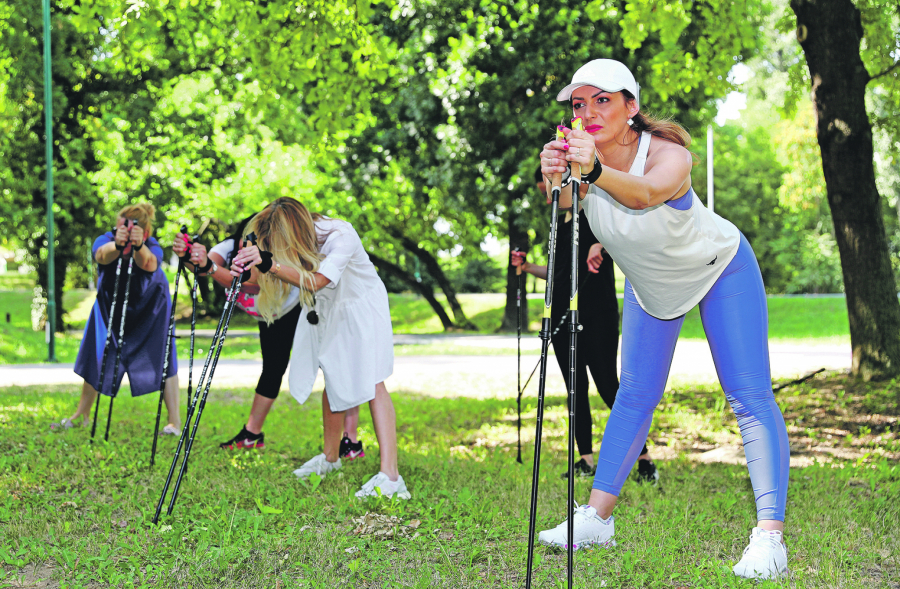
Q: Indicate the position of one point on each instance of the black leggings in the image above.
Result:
(598, 346)
(275, 342)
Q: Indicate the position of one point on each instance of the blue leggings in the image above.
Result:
(736, 322)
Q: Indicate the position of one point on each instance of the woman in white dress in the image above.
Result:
(344, 328)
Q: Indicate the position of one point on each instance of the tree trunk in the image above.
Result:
(422, 288)
(59, 276)
(518, 238)
(830, 32)
(434, 269)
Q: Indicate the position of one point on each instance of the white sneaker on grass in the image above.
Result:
(764, 558)
(590, 530)
(381, 482)
(319, 465)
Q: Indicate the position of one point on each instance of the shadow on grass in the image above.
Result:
(77, 514)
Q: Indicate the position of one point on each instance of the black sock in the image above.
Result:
(250, 435)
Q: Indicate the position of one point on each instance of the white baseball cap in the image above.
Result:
(607, 74)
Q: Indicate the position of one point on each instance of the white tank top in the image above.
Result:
(671, 257)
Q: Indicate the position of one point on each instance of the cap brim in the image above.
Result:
(565, 95)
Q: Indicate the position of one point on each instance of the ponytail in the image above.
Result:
(663, 128)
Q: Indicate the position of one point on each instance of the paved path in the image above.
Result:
(475, 375)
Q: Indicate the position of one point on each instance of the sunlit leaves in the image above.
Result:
(699, 43)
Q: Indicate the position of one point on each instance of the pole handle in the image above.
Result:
(577, 125)
(556, 179)
(251, 237)
(519, 267)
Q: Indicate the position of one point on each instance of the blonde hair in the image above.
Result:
(286, 229)
(143, 213)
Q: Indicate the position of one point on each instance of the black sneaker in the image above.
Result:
(350, 450)
(245, 440)
(582, 469)
(646, 472)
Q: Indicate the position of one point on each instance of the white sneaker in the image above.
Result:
(387, 487)
(589, 530)
(170, 430)
(764, 558)
(319, 465)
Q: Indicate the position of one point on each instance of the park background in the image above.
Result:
(420, 123)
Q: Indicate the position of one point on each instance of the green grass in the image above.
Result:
(78, 515)
(20, 344)
(807, 320)
(822, 320)
(16, 281)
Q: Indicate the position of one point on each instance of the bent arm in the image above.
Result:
(221, 275)
(535, 270)
(106, 254)
(145, 259)
(292, 277)
(667, 176)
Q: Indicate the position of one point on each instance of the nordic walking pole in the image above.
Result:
(191, 406)
(214, 351)
(109, 328)
(193, 327)
(555, 191)
(519, 356)
(235, 289)
(121, 341)
(574, 328)
(170, 335)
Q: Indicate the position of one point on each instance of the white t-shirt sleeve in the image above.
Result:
(338, 250)
(223, 249)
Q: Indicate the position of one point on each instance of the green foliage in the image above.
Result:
(19, 343)
(478, 275)
(747, 178)
(698, 43)
(146, 108)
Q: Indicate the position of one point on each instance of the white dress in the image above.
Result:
(353, 341)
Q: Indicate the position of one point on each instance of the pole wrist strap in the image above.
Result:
(266, 264)
(595, 173)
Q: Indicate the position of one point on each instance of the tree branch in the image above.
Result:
(426, 291)
(885, 72)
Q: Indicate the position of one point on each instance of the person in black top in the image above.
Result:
(598, 342)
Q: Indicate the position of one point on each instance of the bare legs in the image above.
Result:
(385, 420)
(262, 405)
(351, 424)
(170, 396)
(258, 413)
(85, 403)
(331, 422)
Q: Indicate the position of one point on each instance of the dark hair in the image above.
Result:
(538, 176)
(237, 235)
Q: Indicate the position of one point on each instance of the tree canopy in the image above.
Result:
(420, 122)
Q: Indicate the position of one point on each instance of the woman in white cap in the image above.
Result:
(675, 254)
